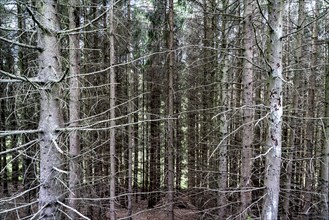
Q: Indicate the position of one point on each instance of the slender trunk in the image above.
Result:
(248, 112)
(3, 165)
(136, 136)
(74, 106)
(171, 113)
(324, 178)
(112, 114)
(274, 137)
(191, 138)
(224, 102)
(154, 77)
(309, 140)
(131, 137)
(179, 150)
(205, 124)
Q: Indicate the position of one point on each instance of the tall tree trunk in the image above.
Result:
(171, 113)
(248, 112)
(131, 135)
(191, 137)
(324, 178)
(74, 106)
(51, 119)
(112, 114)
(206, 101)
(154, 77)
(3, 165)
(274, 137)
(136, 136)
(224, 102)
(309, 136)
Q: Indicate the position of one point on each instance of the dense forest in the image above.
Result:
(164, 109)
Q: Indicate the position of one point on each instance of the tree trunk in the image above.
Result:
(324, 178)
(248, 112)
(309, 136)
(51, 119)
(273, 142)
(74, 106)
(112, 114)
(191, 137)
(154, 77)
(224, 102)
(130, 109)
(171, 113)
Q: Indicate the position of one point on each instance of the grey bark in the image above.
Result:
(51, 119)
(131, 136)
(74, 107)
(248, 112)
(324, 178)
(171, 114)
(112, 114)
(223, 174)
(274, 137)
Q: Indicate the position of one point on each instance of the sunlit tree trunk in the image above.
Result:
(274, 137)
(51, 119)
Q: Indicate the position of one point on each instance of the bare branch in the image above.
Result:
(72, 31)
(74, 210)
(8, 133)
(19, 147)
(21, 44)
(305, 26)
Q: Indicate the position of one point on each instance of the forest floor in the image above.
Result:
(182, 211)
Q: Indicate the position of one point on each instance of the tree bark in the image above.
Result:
(274, 137)
(154, 77)
(112, 114)
(248, 112)
(74, 106)
(324, 178)
(223, 172)
(131, 135)
(309, 136)
(51, 119)
(171, 113)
